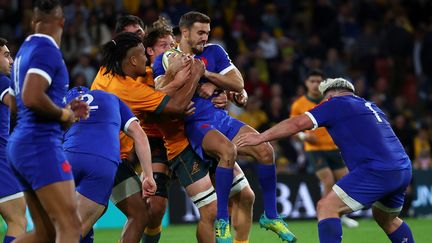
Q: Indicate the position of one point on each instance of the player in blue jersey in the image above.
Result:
(211, 131)
(380, 170)
(34, 149)
(92, 147)
(12, 203)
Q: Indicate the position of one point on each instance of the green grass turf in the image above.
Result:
(306, 231)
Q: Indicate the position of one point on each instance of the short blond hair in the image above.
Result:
(335, 83)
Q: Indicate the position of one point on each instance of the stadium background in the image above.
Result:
(383, 46)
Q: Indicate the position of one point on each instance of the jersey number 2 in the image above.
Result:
(89, 100)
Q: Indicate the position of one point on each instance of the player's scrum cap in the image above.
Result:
(75, 92)
(335, 83)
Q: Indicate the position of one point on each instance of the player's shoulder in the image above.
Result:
(4, 83)
(4, 79)
(214, 48)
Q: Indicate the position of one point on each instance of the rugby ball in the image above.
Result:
(165, 57)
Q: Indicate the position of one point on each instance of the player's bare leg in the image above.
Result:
(157, 207)
(325, 176)
(242, 210)
(89, 211)
(13, 213)
(136, 212)
(395, 228)
(205, 232)
(215, 144)
(54, 212)
(264, 154)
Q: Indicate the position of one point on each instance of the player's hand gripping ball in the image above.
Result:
(166, 56)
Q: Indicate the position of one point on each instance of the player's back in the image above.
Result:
(99, 134)
(363, 134)
(39, 54)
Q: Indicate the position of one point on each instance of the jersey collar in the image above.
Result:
(44, 36)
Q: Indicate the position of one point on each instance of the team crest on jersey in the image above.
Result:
(204, 126)
(205, 61)
(66, 167)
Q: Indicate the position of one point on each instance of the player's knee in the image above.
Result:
(248, 198)
(19, 222)
(157, 207)
(323, 205)
(265, 153)
(227, 153)
(208, 212)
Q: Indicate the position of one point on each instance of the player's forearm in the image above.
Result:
(142, 148)
(286, 128)
(42, 105)
(231, 81)
(169, 87)
(184, 95)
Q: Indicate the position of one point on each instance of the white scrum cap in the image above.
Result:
(335, 83)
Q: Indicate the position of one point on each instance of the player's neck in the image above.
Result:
(48, 29)
(184, 47)
(313, 96)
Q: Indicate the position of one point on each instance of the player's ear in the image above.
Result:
(184, 32)
(150, 51)
(133, 60)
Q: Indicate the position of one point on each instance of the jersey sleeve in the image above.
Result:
(324, 114)
(148, 99)
(43, 62)
(223, 62)
(4, 87)
(127, 117)
(158, 69)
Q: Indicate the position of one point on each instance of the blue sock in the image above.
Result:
(267, 181)
(89, 237)
(402, 234)
(8, 239)
(330, 230)
(224, 178)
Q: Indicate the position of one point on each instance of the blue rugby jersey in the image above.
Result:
(4, 115)
(99, 134)
(39, 54)
(362, 132)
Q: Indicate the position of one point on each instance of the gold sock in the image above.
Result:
(241, 241)
(154, 231)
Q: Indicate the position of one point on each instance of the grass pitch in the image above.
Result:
(306, 231)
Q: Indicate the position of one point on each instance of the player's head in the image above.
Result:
(335, 84)
(195, 30)
(5, 58)
(75, 92)
(47, 14)
(159, 38)
(313, 80)
(124, 55)
(130, 23)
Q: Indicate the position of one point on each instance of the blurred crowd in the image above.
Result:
(383, 46)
